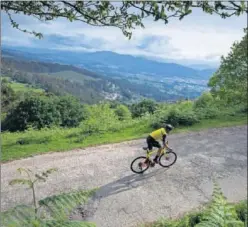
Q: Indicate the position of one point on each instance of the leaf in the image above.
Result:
(49, 171)
(18, 217)
(40, 178)
(220, 212)
(21, 181)
(60, 206)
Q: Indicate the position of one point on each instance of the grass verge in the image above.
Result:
(21, 145)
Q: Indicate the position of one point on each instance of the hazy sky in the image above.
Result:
(198, 39)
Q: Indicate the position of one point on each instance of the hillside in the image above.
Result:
(114, 76)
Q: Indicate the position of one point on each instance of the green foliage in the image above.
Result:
(126, 16)
(242, 212)
(229, 83)
(189, 220)
(8, 95)
(180, 114)
(61, 206)
(71, 111)
(123, 112)
(102, 118)
(55, 78)
(37, 111)
(31, 180)
(143, 107)
(31, 142)
(52, 211)
(205, 100)
(220, 213)
(179, 118)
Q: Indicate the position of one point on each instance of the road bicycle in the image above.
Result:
(166, 159)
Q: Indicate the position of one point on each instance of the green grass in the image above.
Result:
(19, 87)
(47, 140)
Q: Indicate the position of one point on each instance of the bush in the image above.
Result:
(218, 213)
(101, 119)
(143, 107)
(180, 114)
(122, 112)
(205, 100)
(36, 111)
(41, 111)
(241, 210)
(207, 113)
(178, 118)
(71, 111)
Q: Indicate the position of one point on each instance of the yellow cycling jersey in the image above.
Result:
(158, 134)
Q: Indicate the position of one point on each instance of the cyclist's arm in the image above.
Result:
(164, 143)
(164, 139)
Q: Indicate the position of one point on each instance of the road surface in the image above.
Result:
(125, 199)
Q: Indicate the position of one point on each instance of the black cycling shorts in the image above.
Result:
(151, 142)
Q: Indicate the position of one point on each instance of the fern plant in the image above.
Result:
(31, 180)
(220, 213)
(52, 211)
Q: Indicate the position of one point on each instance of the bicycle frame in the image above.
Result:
(149, 154)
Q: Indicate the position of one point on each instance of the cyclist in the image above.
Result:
(157, 135)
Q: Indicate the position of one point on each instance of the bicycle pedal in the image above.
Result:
(152, 164)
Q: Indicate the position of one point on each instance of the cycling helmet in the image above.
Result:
(168, 127)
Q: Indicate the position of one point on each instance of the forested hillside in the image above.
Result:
(128, 81)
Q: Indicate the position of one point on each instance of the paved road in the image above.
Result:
(125, 199)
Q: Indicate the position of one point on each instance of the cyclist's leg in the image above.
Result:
(158, 145)
(149, 141)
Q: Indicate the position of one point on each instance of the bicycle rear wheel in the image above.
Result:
(167, 159)
(138, 165)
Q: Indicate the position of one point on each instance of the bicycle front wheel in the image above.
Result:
(167, 159)
(138, 165)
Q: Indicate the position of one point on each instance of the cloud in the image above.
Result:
(197, 39)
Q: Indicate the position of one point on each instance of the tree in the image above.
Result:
(36, 111)
(143, 107)
(71, 111)
(229, 83)
(8, 95)
(125, 15)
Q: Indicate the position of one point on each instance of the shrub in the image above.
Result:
(37, 111)
(207, 113)
(205, 100)
(71, 111)
(241, 210)
(218, 213)
(143, 107)
(178, 118)
(122, 112)
(102, 118)
(41, 111)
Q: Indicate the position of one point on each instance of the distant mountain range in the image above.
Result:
(161, 80)
(110, 61)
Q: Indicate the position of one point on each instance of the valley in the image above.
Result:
(109, 76)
